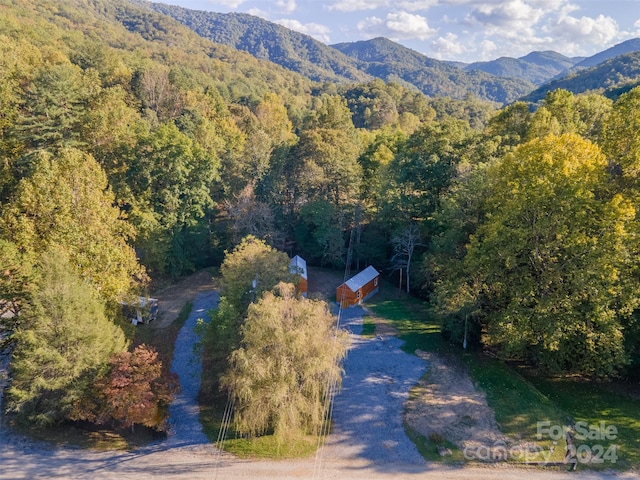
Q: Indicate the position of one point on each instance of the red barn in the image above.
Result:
(358, 288)
(298, 266)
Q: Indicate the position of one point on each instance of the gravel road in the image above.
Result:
(184, 424)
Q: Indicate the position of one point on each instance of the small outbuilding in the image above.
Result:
(298, 267)
(358, 288)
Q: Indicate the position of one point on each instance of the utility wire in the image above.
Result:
(331, 386)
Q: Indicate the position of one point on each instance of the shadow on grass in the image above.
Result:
(212, 411)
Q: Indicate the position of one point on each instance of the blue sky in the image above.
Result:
(462, 30)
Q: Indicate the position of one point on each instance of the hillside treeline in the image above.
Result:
(132, 149)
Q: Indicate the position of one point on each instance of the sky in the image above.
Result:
(459, 30)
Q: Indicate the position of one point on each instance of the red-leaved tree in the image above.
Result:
(137, 390)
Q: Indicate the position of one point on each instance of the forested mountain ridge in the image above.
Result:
(503, 80)
(269, 41)
(628, 46)
(612, 77)
(391, 61)
(536, 67)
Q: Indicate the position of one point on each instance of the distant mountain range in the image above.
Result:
(611, 77)
(503, 80)
(536, 67)
(390, 61)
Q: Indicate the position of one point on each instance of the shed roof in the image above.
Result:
(298, 265)
(362, 278)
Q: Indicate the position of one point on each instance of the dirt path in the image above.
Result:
(446, 403)
(171, 299)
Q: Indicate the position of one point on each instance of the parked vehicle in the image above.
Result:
(144, 310)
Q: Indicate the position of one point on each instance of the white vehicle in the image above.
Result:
(144, 310)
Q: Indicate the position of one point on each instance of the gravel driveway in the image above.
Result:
(367, 413)
(184, 423)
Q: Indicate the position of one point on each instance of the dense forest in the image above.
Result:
(134, 150)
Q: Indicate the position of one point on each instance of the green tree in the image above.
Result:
(170, 177)
(17, 277)
(55, 105)
(325, 166)
(67, 202)
(319, 232)
(324, 162)
(15, 280)
(563, 112)
(621, 136)
(512, 124)
(251, 269)
(375, 161)
(63, 343)
(265, 128)
(289, 360)
(113, 127)
(551, 260)
(453, 289)
(248, 271)
(423, 169)
(594, 110)
(19, 60)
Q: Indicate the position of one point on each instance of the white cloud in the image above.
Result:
(396, 26)
(228, 3)
(415, 5)
(488, 50)
(256, 12)
(582, 33)
(317, 31)
(411, 5)
(553, 4)
(288, 6)
(517, 27)
(506, 16)
(358, 5)
(447, 46)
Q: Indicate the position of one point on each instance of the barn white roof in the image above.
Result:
(362, 278)
(298, 265)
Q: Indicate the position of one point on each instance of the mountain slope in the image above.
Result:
(390, 61)
(269, 41)
(628, 46)
(612, 77)
(536, 67)
(625, 47)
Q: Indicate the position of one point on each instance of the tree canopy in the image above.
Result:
(62, 344)
(287, 364)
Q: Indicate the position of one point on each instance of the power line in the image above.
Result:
(332, 381)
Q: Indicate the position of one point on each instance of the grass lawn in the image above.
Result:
(520, 398)
(594, 403)
(266, 446)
